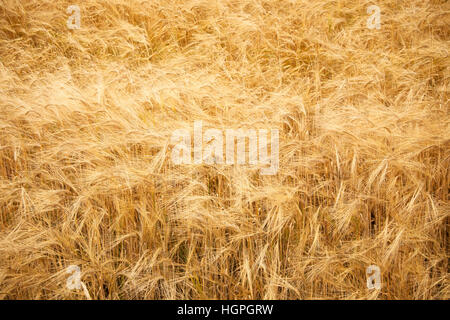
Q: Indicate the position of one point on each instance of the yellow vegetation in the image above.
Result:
(86, 176)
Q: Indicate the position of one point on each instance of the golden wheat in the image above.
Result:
(86, 177)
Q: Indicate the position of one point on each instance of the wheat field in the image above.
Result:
(86, 176)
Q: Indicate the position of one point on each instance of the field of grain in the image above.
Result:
(86, 176)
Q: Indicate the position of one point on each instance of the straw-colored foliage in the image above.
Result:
(86, 176)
